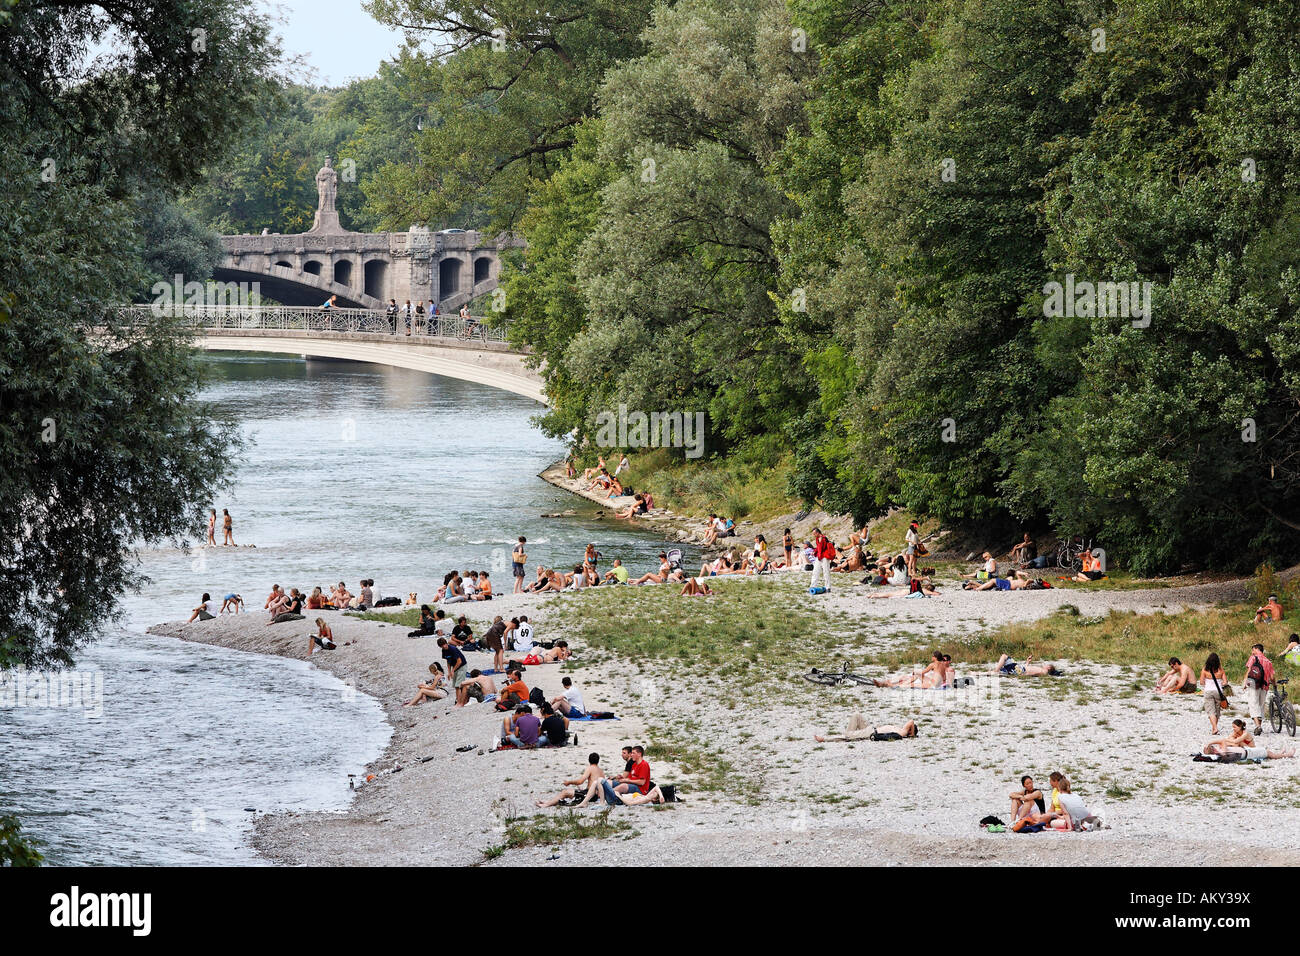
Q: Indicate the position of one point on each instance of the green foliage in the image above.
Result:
(15, 850)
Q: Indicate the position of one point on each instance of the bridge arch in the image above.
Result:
(449, 270)
(343, 272)
(375, 277)
(312, 267)
(482, 269)
(291, 287)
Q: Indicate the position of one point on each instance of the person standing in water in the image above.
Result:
(212, 527)
(227, 528)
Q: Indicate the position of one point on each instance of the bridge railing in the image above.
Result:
(234, 318)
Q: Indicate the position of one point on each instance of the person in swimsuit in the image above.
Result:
(431, 689)
(1008, 667)
(323, 638)
(937, 673)
(787, 545)
(659, 577)
(1179, 679)
(212, 527)
(232, 601)
(227, 528)
(697, 586)
(859, 729)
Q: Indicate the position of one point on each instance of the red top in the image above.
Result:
(823, 548)
(640, 775)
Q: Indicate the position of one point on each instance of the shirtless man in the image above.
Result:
(1179, 679)
(477, 686)
(589, 781)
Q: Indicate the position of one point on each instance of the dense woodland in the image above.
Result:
(830, 224)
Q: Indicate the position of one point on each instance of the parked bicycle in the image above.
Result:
(1070, 552)
(1281, 712)
(840, 678)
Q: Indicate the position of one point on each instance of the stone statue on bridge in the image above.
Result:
(327, 188)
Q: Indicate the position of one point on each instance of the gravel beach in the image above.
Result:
(793, 801)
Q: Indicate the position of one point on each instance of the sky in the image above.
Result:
(337, 39)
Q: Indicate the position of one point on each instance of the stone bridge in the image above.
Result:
(451, 267)
(472, 351)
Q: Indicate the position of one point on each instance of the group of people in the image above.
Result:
(633, 787)
(1213, 686)
(1062, 810)
(227, 527)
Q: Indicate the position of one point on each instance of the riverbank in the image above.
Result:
(726, 716)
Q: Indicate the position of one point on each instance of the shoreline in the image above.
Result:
(911, 807)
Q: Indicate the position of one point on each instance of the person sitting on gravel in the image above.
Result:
(1241, 744)
(1027, 800)
(859, 729)
(589, 780)
(522, 729)
(290, 609)
(204, 611)
(636, 780)
(479, 687)
(617, 574)
(1045, 816)
(514, 692)
(1179, 679)
(570, 702)
(855, 560)
(323, 638)
(938, 673)
(555, 728)
(989, 569)
(1008, 667)
(426, 627)
(431, 689)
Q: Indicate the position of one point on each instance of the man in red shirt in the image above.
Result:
(823, 552)
(636, 780)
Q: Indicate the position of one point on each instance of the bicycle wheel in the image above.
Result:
(821, 677)
(855, 679)
(1275, 714)
(1288, 717)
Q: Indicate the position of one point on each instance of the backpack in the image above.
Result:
(1256, 671)
(509, 702)
(388, 602)
(536, 696)
(670, 793)
(914, 585)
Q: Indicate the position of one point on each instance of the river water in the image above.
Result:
(348, 471)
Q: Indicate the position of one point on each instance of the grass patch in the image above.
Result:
(750, 483)
(553, 829)
(409, 617)
(1120, 637)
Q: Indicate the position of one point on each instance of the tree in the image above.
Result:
(102, 444)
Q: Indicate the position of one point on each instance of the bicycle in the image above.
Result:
(1281, 712)
(841, 678)
(1069, 553)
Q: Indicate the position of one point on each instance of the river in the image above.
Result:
(348, 471)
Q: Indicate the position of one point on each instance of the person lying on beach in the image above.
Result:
(923, 586)
(586, 782)
(323, 638)
(431, 689)
(855, 560)
(1019, 581)
(203, 612)
(1240, 737)
(1007, 667)
(698, 585)
(233, 601)
(859, 729)
(1179, 679)
(938, 673)
(633, 798)
(1027, 800)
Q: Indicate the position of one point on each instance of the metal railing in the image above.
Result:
(236, 318)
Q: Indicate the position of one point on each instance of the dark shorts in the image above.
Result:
(517, 569)
(1094, 575)
(890, 736)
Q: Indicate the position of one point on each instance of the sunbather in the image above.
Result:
(698, 585)
(859, 729)
(431, 689)
(586, 782)
(1179, 679)
(1008, 667)
(938, 673)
